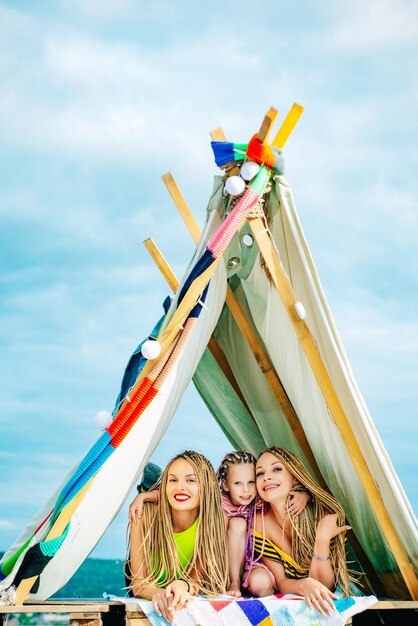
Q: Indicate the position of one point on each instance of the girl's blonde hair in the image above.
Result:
(233, 458)
(304, 525)
(208, 566)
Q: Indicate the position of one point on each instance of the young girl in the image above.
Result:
(236, 476)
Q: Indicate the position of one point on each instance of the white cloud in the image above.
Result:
(375, 24)
(7, 524)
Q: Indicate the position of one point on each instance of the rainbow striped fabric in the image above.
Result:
(278, 610)
(41, 547)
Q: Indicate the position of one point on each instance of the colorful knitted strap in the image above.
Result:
(226, 152)
(256, 150)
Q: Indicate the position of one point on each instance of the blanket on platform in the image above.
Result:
(278, 610)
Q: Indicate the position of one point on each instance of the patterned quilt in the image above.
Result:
(278, 610)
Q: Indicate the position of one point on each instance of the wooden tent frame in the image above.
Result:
(307, 342)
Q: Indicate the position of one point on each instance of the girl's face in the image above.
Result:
(274, 481)
(182, 488)
(240, 483)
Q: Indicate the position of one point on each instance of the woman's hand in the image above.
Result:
(298, 502)
(328, 527)
(137, 506)
(180, 596)
(174, 596)
(161, 605)
(318, 596)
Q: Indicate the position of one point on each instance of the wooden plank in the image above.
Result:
(134, 616)
(332, 401)
(267, 124)
(84, 619)
(397, 605)
(213, 345)
(77, 608)
(288, 125)
(181, 205)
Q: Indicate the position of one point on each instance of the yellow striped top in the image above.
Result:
(273, 552)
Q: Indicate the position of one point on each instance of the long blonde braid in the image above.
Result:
(208, 566)
(304, 525)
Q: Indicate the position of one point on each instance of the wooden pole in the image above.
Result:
(332, 401)
(267, 124)
(181, 205)
(274, 380)
(213, 345)
(288, 125)
(264, 363)
(162, 264)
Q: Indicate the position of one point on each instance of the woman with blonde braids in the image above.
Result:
(178, 548)
(305, 555)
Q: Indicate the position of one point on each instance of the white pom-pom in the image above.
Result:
(151, 349)
(300, 310)
(249, 170)
(234, 185)
(103, 419)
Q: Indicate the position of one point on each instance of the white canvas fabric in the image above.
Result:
(120, 472)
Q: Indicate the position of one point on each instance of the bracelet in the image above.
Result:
(320, 558)
(187, 583)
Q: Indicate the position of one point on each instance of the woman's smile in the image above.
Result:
(182, 488)
(274, 481)
(181, 497)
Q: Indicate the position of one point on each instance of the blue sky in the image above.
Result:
(98, 99)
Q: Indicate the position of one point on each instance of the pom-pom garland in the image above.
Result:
(103, 419)
(151, 349)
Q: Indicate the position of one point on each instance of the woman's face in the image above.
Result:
(240, 483)
(182, 489)
(273, 480)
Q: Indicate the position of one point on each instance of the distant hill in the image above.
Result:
(93, 578)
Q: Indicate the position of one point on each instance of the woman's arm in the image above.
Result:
(137, 505)
(321, 567)
(136, 557)
(316, 594)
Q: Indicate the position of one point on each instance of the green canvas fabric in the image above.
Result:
(265, 311)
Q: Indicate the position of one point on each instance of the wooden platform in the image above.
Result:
(80, 612)
(100, 613)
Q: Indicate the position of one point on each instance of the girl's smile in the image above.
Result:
(240, 484)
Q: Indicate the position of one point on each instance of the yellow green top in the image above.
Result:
(185, 543)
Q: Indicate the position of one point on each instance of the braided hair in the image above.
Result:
(233, 458)
(304, 525)
(208, 565)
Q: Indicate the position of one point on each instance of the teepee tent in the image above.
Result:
(249, 323)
